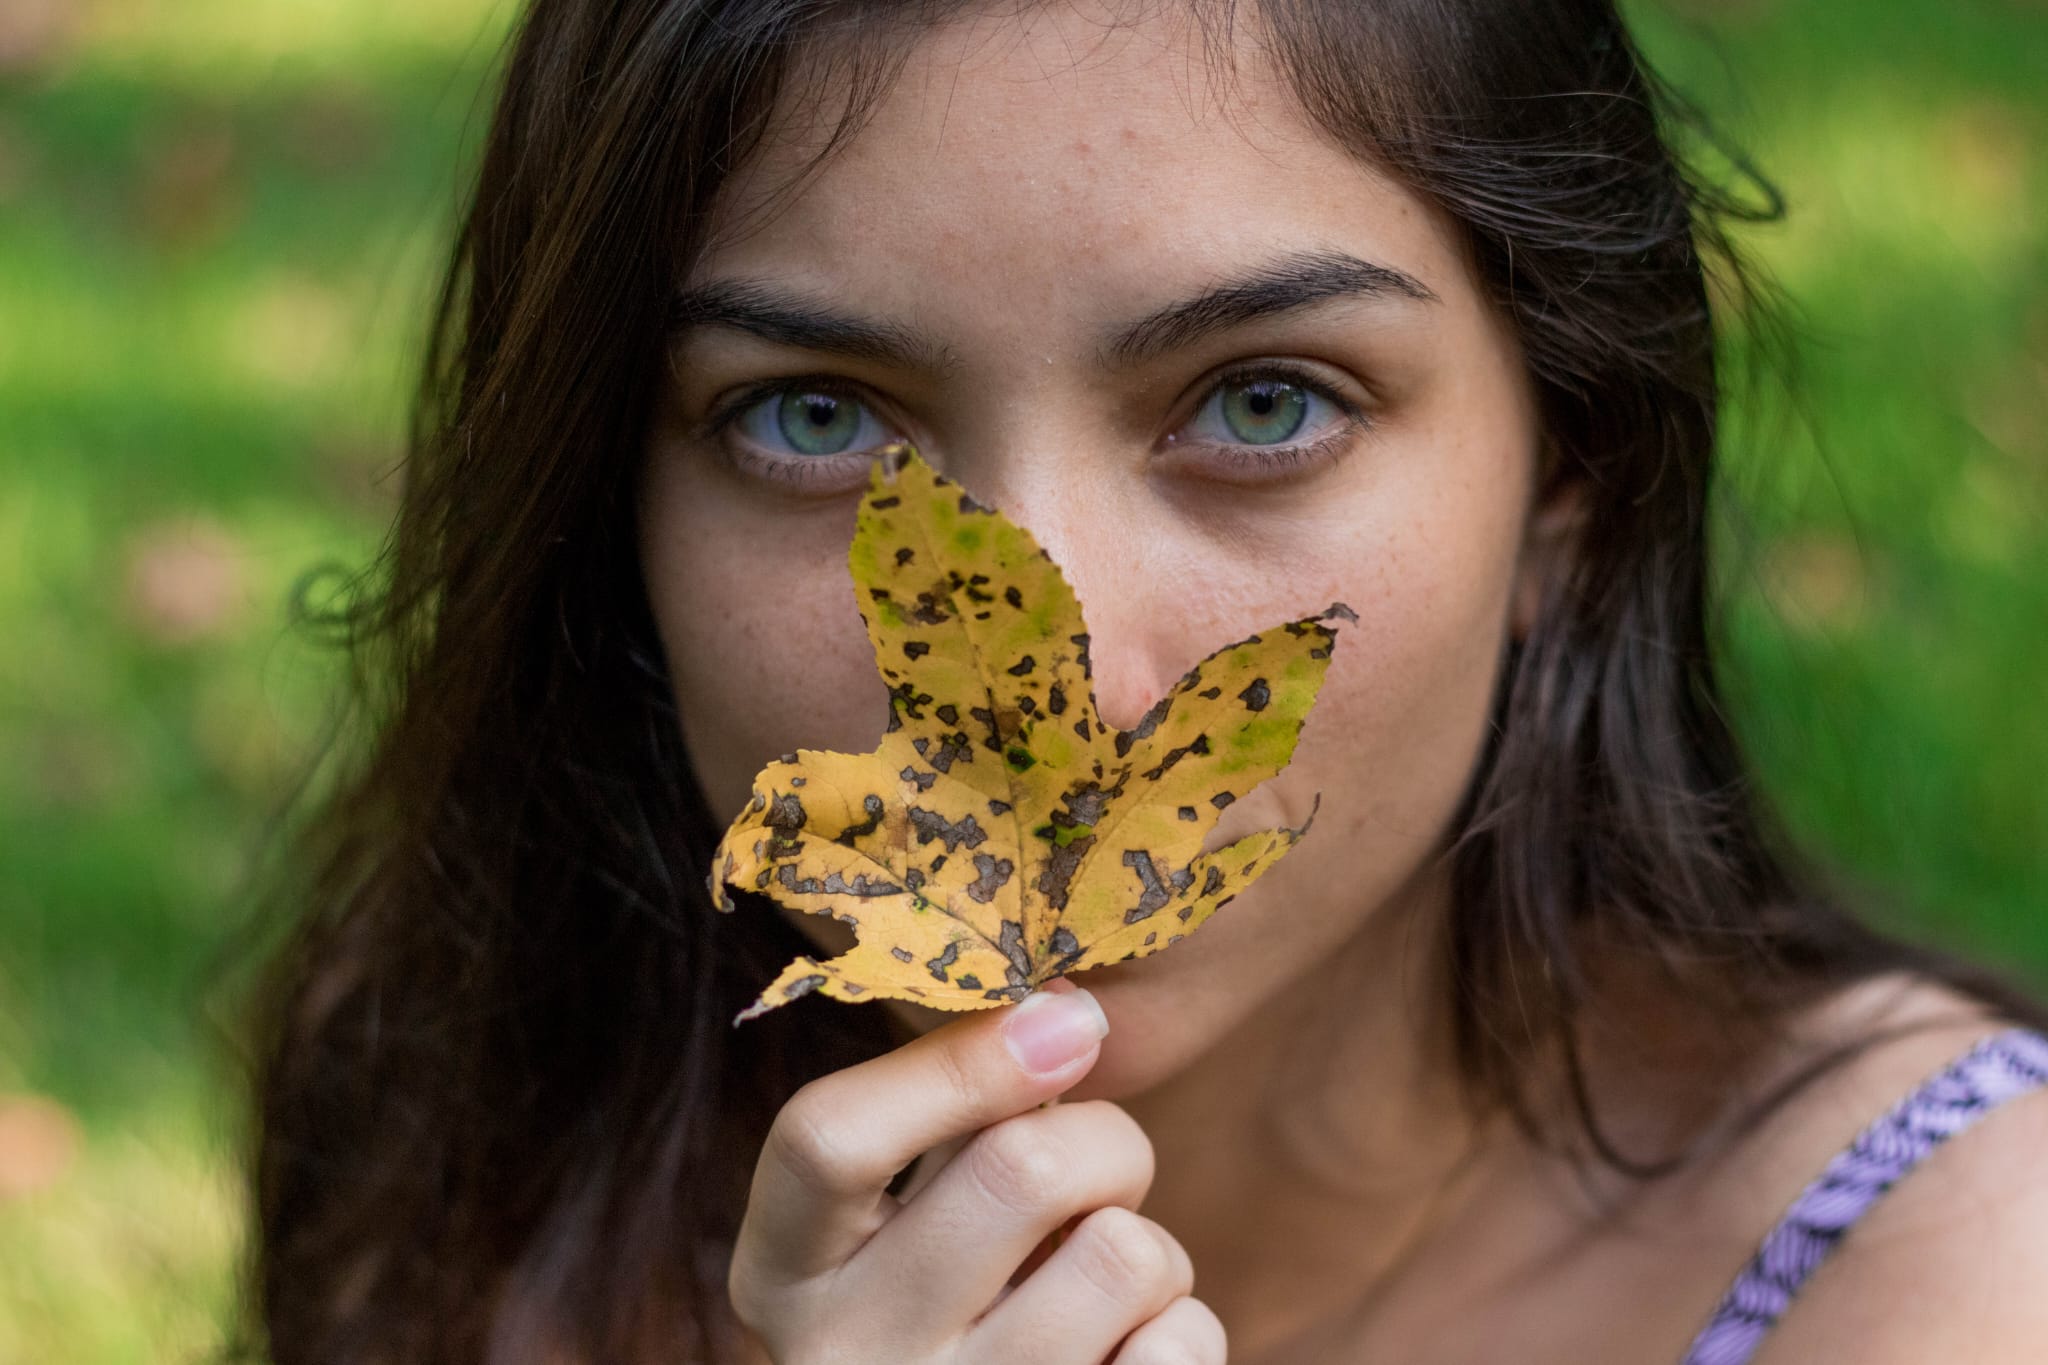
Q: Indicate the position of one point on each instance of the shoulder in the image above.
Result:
(1951, 1263)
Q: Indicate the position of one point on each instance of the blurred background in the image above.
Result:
(219, 220)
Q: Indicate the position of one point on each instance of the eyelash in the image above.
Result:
(803, 473)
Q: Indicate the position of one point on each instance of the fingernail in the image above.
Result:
(1044, 1031)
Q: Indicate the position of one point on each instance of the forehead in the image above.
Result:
(1065, 147)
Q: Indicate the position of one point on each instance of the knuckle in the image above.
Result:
(964, 1086)
(1163, 1350)
(1188, 1332)
(1124, 1254)
(811, 1141)
(1021, 1166)
(1117, 1128)
(744, 1290)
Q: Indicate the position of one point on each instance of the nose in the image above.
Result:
(1087, 510)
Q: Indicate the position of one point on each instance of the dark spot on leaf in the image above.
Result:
(901, 954)
(785, 812)
(1211, 693)
(1013, 597)
(1011, 944)
(968, 504)
(1028, 704)
(1185, 812)
(969, 982)
(996, 807)
(931, 825)
(994, 873)
(916, 649)
(906, 698)
(1056, 699)
(952, 749)
(923, 780)
(1153, 893)
(1060, 865)
(1064, 947)
(1081, 729)
(835, 884)
(803, 985)
(1198, 745)
(1221, 799)
(1086, 804)
(937, 965)
(1256, 695)
(1019, 758)
(1151, 938)
(1212, 881)
(871, 806)
(948, 714)
(904, 556)
(1022, 667)
(1145, 726)
(884, 504)
(983, 615)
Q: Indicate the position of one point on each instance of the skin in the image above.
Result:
(1277, 1089)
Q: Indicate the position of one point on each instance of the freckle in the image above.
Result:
(1081, 147)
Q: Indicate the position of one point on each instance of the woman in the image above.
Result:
(1519, 1055)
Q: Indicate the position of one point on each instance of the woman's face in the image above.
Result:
(1137, 319)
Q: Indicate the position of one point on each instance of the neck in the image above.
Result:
(1301, 1159)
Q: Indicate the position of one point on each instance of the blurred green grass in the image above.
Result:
(218, 224)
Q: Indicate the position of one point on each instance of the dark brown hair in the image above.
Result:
(500, 1113)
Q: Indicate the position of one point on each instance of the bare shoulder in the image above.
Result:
(1952, 1262)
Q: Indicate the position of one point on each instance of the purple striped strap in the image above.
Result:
(1995, 1070)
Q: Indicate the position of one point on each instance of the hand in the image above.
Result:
(829, 1266)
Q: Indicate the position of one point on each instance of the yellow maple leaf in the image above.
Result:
(1001, 835)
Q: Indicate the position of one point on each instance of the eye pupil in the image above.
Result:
(1264, 412)
(818, 423)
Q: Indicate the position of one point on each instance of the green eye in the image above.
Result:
(1264, 411)
(801, 422)
(817, 423)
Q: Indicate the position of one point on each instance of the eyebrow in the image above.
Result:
(1283, 285)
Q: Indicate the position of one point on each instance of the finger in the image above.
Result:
(1186, 1332)
(1116, 1272)
(819, 1185)
(961, 1239)
(929, 1164)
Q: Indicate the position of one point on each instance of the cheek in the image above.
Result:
(1391, 744)
(766, 648)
